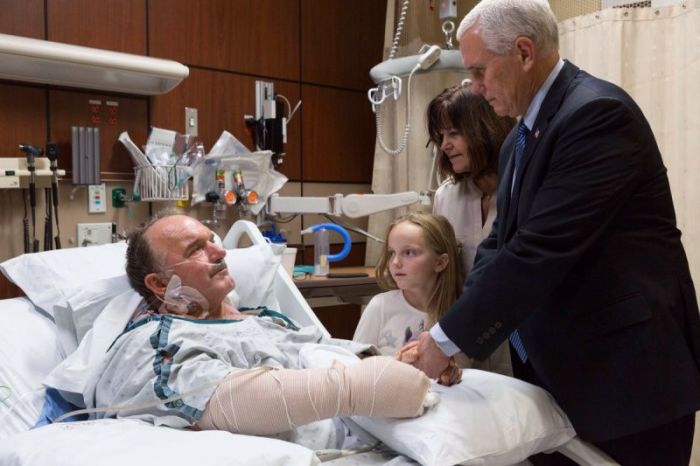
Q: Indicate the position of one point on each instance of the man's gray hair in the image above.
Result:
(141, 258)
(502, 21)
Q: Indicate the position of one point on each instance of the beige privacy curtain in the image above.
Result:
(654, 54)
(409, 170)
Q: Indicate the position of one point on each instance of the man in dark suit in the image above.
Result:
(584, 270)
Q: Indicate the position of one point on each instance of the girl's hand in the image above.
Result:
(408, 353)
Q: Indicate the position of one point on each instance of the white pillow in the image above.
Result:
(487, 419)
(27, 353)
(253, 269)
(71, 374)
(80, 282)
(116, 442)
(48, 278)
(86, 303)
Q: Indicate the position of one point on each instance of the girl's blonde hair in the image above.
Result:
(440, 237)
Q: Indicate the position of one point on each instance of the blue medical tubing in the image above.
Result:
(338, 229)
(274, 236)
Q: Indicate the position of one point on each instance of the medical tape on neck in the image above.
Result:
(135, 407)
(179, 299)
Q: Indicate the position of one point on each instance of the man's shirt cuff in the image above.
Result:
(444, 343)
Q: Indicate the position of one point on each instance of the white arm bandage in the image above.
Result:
(266, 401)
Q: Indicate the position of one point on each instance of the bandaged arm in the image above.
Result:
(266, 401)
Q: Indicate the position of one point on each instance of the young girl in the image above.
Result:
(420, 267)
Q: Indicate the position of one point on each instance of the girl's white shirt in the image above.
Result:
(389, 321)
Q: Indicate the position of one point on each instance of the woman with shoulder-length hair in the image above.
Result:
(468, 135)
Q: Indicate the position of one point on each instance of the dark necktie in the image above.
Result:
(520, 141)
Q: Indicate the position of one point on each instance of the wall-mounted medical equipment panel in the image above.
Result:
(14, 172)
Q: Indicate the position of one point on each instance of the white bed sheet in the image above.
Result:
(118, 442)
(28, 351)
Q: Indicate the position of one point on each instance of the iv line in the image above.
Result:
(127, 408)
(17, 402)
(8, 394)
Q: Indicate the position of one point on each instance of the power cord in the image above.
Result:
(399, 29)
(407, 126)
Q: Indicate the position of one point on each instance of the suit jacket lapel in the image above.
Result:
(503, 196)
(551, 104)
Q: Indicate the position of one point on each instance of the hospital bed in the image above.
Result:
(487, 419)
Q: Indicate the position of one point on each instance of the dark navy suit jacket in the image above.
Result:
(585, 260)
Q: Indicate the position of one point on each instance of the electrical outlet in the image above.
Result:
(191, 122)
(90, 234)
(448, 9)
(97, 202)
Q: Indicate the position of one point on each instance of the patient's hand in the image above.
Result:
(429, 402)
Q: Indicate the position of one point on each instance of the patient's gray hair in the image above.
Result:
(502, 21)
(141, 259)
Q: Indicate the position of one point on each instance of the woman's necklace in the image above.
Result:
(487, 185)
(485, 205)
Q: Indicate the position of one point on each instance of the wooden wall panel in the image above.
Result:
(340, 321)
(73, 108)
(22, 18)
(22, 117)
(341, 41)
(259, 37)
(106, 24)
(339, 134)
(222, 99)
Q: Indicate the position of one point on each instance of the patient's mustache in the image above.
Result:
(216, 268)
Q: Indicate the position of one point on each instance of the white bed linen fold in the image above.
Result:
(28, 351)
(119, 442)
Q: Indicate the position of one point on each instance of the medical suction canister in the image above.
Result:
(322, 256)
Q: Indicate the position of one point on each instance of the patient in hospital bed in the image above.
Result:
(189, 358)
(177, 368)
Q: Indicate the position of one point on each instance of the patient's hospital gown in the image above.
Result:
(165, 356)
